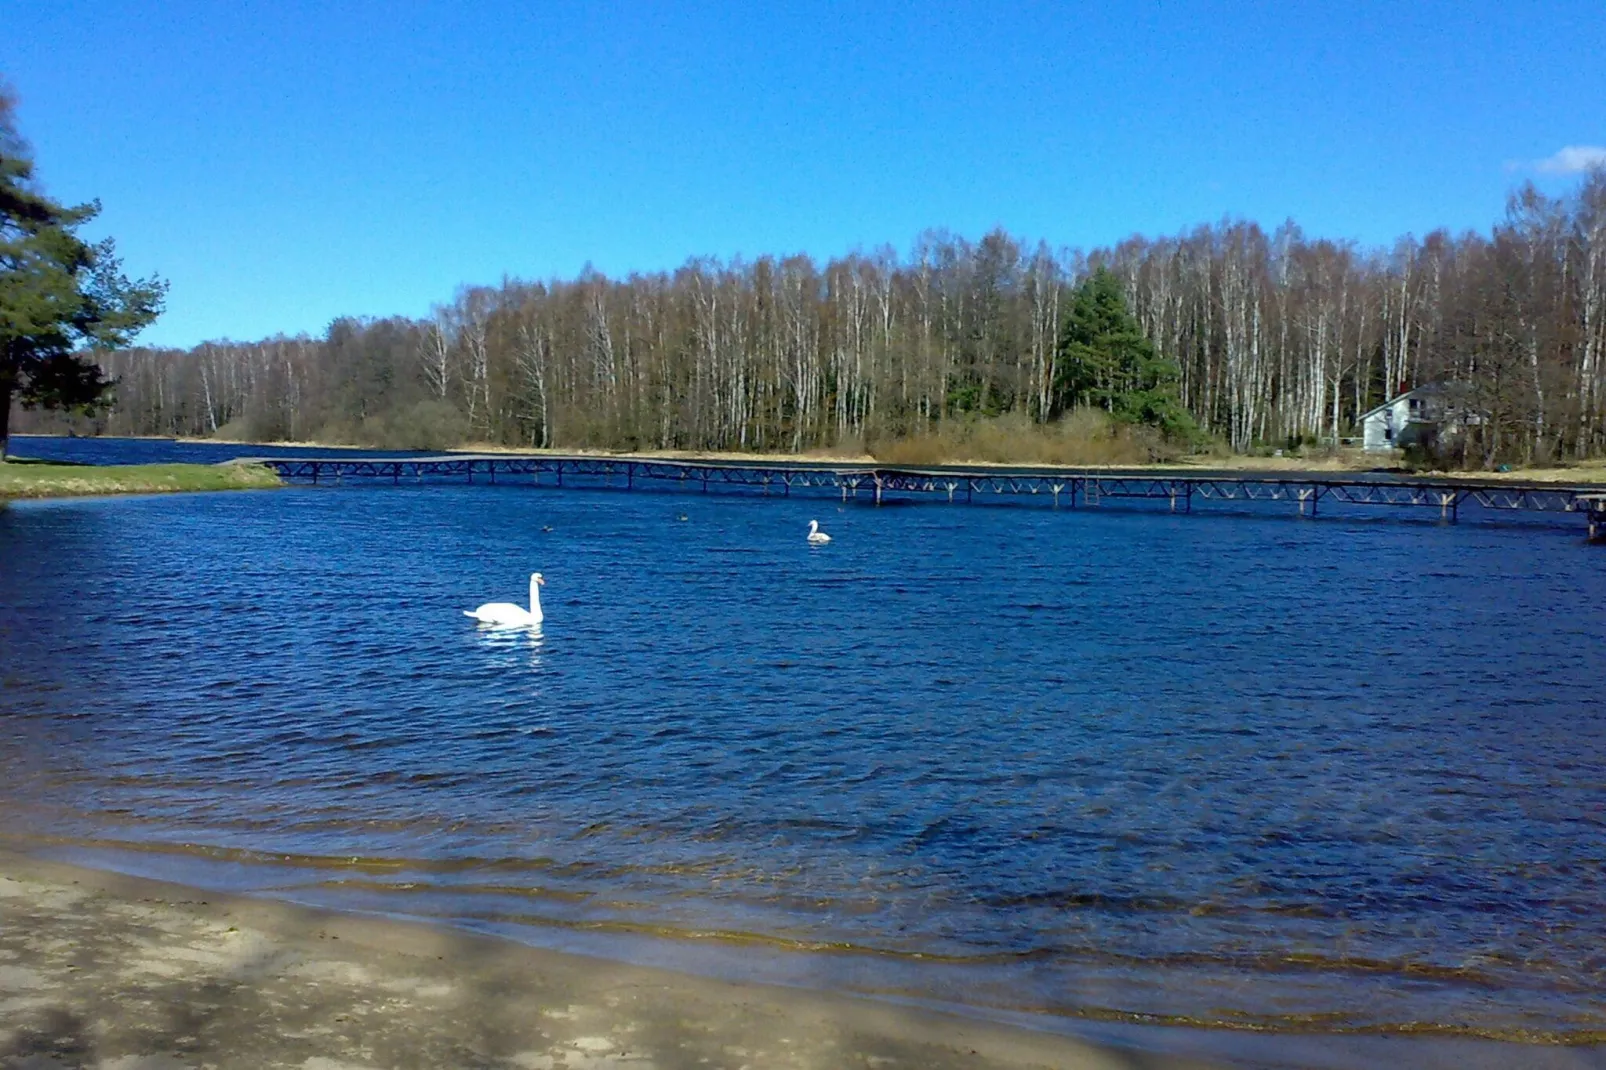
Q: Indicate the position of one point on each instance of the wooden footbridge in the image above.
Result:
(1177, 490)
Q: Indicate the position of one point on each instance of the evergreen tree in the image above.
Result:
(60, 296)
(1105, 361)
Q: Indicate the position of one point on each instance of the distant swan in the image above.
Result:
(507, 614)
(816, 536)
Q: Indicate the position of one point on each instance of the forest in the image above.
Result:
(1264, 339)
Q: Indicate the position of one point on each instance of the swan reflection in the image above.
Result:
(510, 645)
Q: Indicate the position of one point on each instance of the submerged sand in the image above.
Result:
(121, 973)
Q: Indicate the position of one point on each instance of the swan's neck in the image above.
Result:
(814, 525)
(535, 598)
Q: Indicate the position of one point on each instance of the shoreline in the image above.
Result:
(246, 981)
(1593, 471)
(97, 966)
(39, 480)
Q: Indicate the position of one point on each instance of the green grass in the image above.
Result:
(21, 478)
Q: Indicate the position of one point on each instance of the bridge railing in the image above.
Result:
(1074, 488)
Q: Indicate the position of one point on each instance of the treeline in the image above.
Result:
(1271, 337)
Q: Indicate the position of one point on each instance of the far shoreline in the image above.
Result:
(1353, 461)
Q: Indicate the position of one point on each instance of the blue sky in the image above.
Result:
(283, 163)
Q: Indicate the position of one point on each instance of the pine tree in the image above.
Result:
(1106, 362)
(61, 298)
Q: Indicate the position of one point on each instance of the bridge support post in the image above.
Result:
(1449, 505)
(878, 490)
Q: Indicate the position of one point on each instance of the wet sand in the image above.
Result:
(121, 973)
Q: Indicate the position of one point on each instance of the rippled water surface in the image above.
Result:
(1251, 771)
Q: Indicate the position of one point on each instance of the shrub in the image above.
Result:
(1084, 436)
(426, 425)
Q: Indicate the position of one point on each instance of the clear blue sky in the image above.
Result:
(286, 162)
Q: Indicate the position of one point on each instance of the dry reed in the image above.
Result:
(1083, 437)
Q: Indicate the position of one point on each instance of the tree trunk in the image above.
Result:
(5, 416)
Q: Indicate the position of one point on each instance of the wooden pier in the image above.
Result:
(1179, 490)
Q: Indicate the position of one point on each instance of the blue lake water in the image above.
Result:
(1246, 771)
(173, 451)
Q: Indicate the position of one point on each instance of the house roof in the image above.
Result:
(1436, 387)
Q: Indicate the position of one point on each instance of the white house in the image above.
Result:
(1417, 416)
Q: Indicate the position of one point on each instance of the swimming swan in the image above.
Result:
(509, 615)
(816, 536)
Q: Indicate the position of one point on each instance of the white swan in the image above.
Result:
(816, 536)
(508, 615)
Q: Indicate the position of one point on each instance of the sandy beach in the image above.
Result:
(102, 970)
(120, 973)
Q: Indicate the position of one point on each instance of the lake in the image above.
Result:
(1252, 771)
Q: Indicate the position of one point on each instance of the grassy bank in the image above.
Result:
(37, 479)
